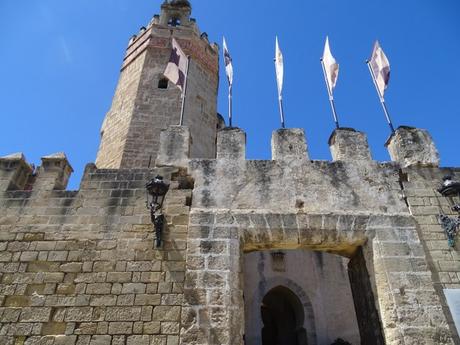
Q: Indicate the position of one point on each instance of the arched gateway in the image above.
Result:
(233, 234)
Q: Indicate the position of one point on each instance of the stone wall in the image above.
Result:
(426, 204)
(80, 267)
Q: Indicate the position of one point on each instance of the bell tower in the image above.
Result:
(146, 103)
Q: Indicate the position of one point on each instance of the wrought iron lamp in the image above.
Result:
(450, 189)
(156, 192)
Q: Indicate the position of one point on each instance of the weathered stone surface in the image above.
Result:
(89, 277)
(54, 173)
(347, 144)
(411, 146)
(289, 144)
(14, 172)
(314, 187)
(174, 146)
(231, 144)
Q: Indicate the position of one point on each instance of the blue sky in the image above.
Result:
(60, 60)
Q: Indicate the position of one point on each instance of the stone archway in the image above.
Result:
(213, 310)
(283, 318)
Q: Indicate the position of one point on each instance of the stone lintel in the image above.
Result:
(231, 144)
(14, 172)
(412, 146)
(348, 144)
(288, 144)
(54, 173)
(174, 147)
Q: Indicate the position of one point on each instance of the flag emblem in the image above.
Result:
(279, 66)
(228, 64)
(380, 67)
(331, 67)
(177, 66)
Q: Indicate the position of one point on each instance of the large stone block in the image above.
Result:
(347, 144)
(411, 146)
(174, 146)
(14, 172)
(54, 173)
(231, 144)
(289, 144)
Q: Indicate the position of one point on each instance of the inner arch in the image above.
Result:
(283, 318)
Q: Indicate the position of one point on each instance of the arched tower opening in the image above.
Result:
(283, 318)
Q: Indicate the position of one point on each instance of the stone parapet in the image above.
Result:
(14, 172)
(309, 186)
(289, 144)
(411, 146)
(347, 144)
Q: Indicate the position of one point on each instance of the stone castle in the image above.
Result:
(288, 251)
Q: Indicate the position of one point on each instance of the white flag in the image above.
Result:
(331, 67)
(176, 70)
(279, 66)
(380, 67)
(228, 64)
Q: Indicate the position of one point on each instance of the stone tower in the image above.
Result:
(145, 103)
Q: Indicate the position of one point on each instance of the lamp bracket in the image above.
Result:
(450, 226)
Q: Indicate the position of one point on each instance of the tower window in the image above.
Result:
(163, 83)
(174, 21)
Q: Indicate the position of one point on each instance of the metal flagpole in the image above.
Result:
(280, 101)
(230, 105)
(184, 93)
(331, 96)
(382, 99)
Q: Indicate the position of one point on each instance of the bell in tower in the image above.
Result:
(175, 13)
(145, 102)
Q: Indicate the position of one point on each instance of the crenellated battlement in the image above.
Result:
(351, 182)
(407, 146)
(349, 149)
(16, 174)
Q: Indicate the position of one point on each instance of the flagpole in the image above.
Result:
(331, 96)
(230, 107)
(382, 99)
(280, 101)
(184, 93)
